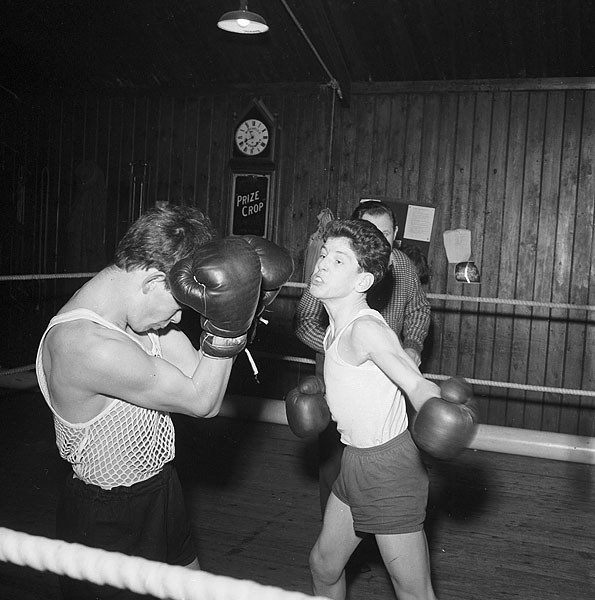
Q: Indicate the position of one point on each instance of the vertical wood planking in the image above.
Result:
(585, 265)
(412, 155)
(364, 154)
(435, 345)
(491, 251)
(451, 362)
(545, 358)
(524, 346)
(380, 147)
(473, 340)
(565, 235)
(510, 236)
(512, 166)
(396, 148)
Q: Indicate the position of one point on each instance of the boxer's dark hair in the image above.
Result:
(373, 208)
(163, 236)
(370, 247)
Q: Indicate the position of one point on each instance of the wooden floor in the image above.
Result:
(499, 526)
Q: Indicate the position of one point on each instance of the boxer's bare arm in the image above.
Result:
(89, 365)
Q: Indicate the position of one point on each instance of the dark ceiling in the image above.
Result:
(99, 44)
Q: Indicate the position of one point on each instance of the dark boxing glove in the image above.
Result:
(445, 426)
(307, 411)
(221, 281)
(276, 267)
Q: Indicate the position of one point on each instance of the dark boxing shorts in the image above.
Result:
(147, 519)
(385, 486)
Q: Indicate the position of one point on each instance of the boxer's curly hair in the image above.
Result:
(370, 247)
(163, 236)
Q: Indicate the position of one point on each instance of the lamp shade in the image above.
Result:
(242, 21)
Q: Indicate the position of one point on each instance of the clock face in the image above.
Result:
(252, 137)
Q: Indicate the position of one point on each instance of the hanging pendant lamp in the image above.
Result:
(243, 21)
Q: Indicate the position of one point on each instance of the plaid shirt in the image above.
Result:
(399, 298)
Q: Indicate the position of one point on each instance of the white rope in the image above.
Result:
(129, 572)
(299, 284)
(533, 303)
(16, 370)
(502, 384)
(310, 361)
(36, 277)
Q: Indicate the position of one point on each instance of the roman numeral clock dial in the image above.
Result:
(252, 137)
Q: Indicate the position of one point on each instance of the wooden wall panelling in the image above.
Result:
(451, 362)
(191, 128)
(504, 164)
(103, 136)
(346, 135)
(177, 148)
(308, 140)
(473, 341)
(158, 147)
(219, 152)
(413, 149)
(203, 157)
(317, 159)
(580, 250)
(527, 351)
(544, 357)
(366, 153)
(396, 144)
(562, 343)
(492, 245)
(584, 259)
(381, 137)
(127, 156)
(510, 249)
(304, 211)
(112, 167)
(428, 162)
(187, 151)
(117, 196)
(447, 123)
(291, 222)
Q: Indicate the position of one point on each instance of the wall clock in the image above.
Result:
(252, 137)
(253, 141)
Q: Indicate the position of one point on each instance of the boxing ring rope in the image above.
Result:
(130, 572)
(508, 440)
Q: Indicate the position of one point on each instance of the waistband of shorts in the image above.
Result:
(147, 485)
(395, 442)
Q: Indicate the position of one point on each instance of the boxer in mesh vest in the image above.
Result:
(112, 365)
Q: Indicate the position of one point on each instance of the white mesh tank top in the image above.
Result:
(122, 445)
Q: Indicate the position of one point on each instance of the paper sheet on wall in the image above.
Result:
(457, 243)
(418, 225)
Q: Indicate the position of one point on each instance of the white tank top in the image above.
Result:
(368, 407)
(122, 445)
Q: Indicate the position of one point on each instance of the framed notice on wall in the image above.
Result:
(250, 203)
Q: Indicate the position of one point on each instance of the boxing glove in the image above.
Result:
(221, 281)
(444, 426)
(276, 267)
(306, 409)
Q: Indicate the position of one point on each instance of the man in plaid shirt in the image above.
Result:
(399, 298)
